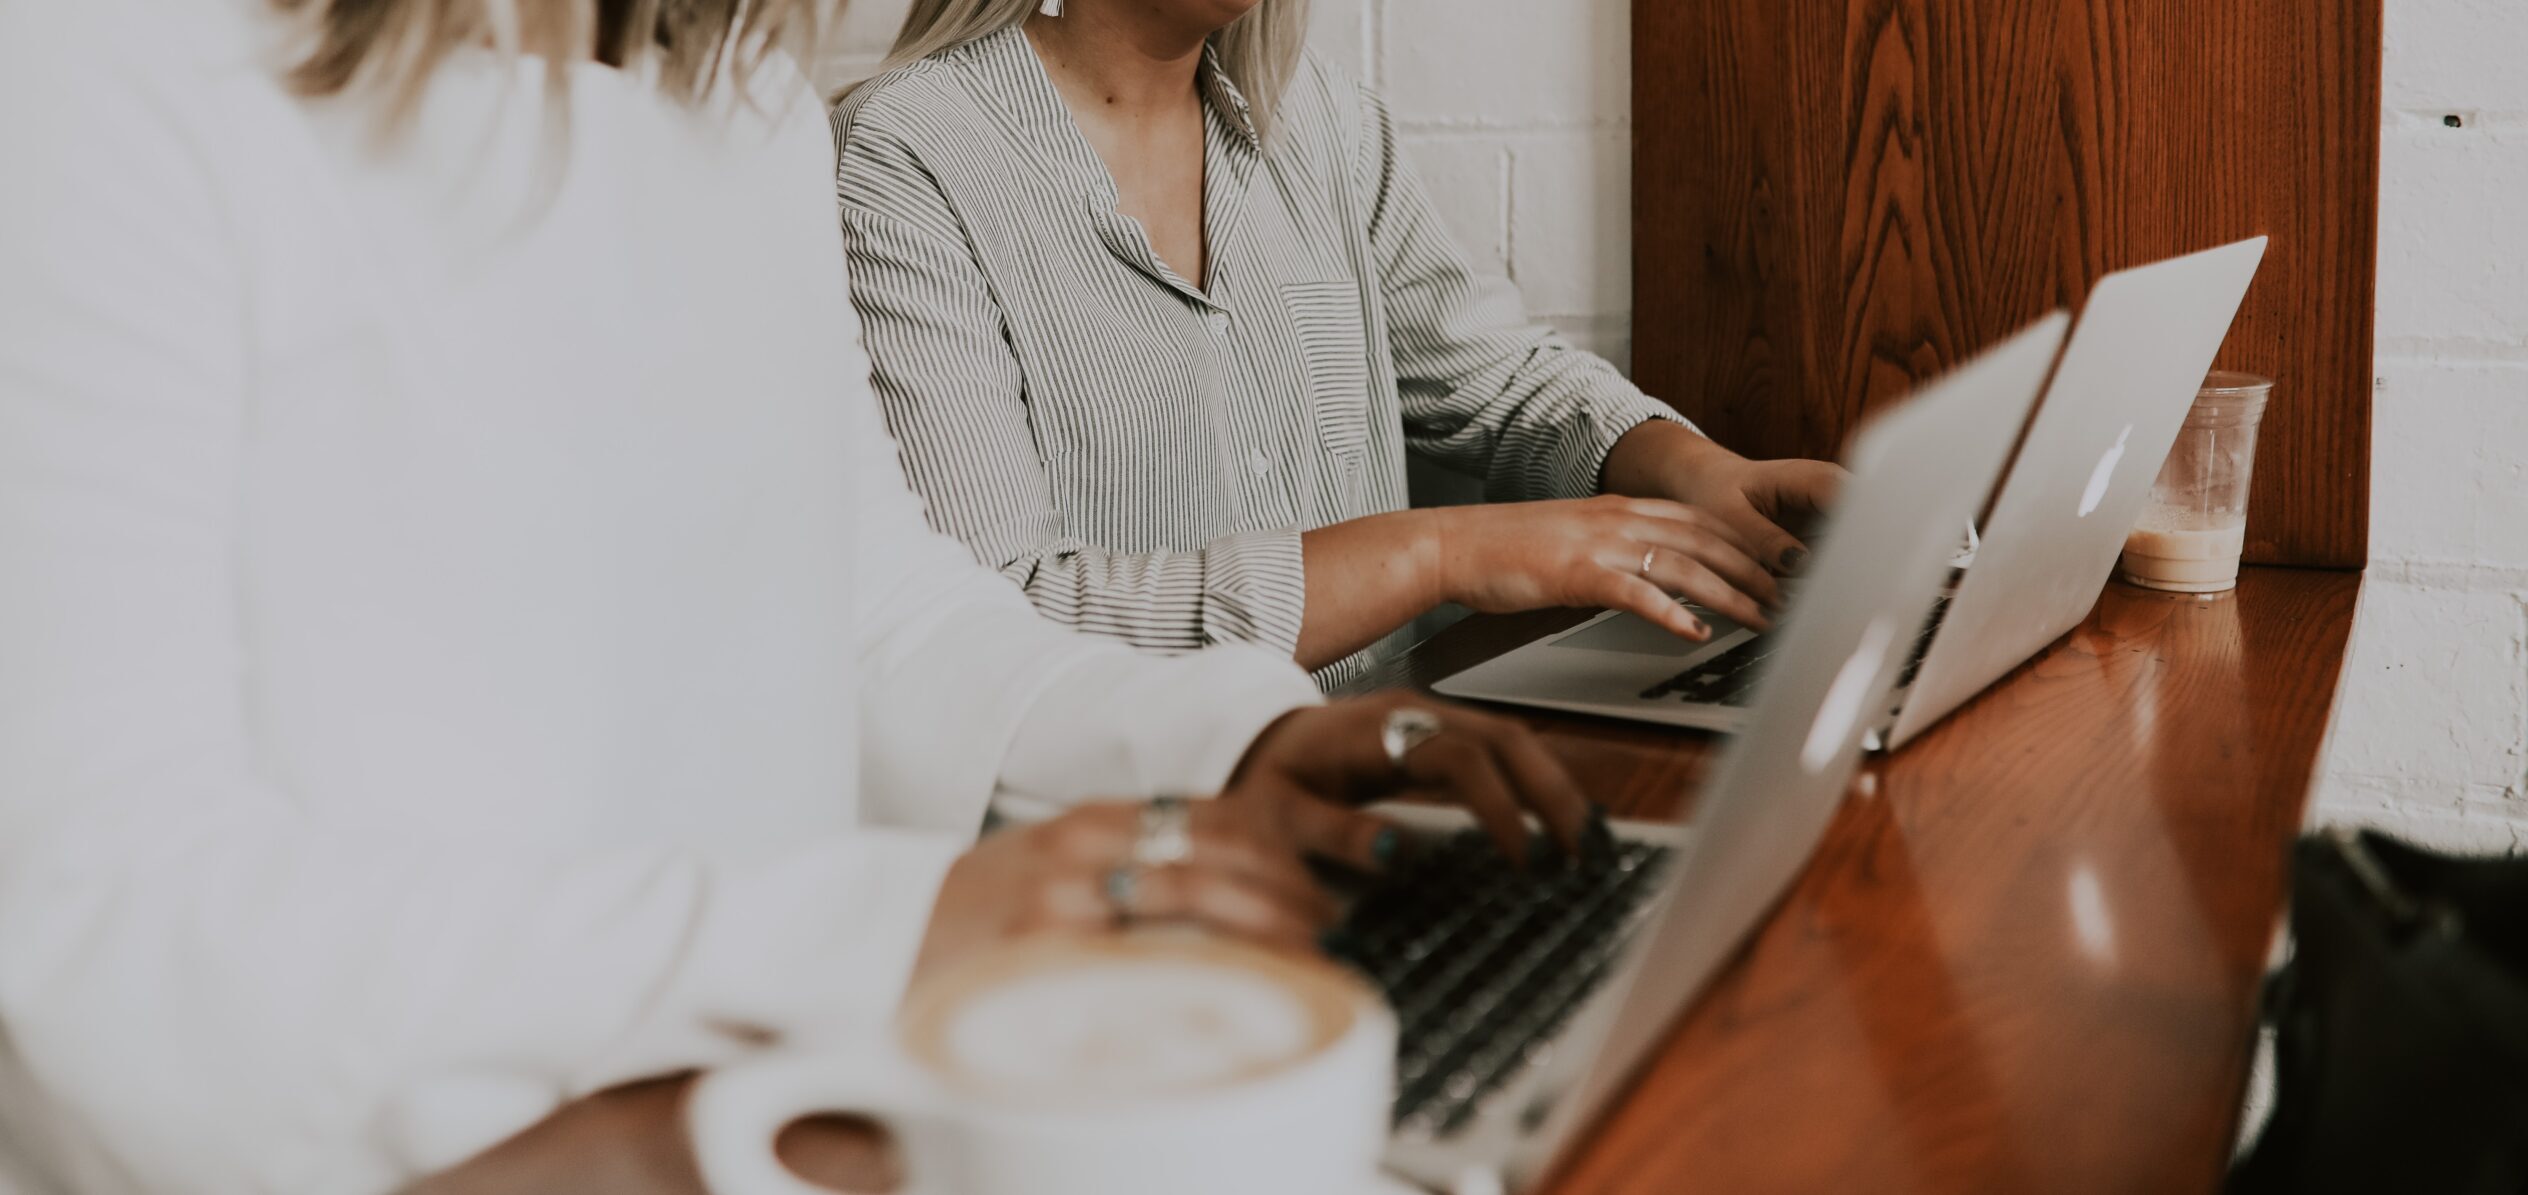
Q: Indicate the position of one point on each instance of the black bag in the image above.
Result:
(2401, 1025)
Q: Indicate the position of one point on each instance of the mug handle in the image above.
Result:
(735, 1114)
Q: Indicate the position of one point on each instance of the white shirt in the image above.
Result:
(458, 610)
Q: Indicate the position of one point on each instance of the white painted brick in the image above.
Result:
(842, 70)
(1508, 63)
(1571, 222)
(2428, 739)
(1609, 336)
(2453, 247)
(2435, 691)
(2456, 54)
(2460, 830)
(2449, 469)
(868, 28)
(1338, 30)
(1469, 182)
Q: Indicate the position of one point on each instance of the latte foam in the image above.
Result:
(1120, 1020)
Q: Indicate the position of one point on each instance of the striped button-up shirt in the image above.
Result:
(1139, 452)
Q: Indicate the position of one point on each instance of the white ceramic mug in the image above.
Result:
(1126, 1065)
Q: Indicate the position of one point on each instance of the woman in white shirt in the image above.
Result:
(460, 613)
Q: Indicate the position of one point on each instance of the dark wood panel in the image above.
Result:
(1836, 199)
(2023, 959)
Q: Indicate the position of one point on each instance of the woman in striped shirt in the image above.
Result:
(1157, 311)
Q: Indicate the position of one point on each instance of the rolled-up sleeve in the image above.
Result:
(955, 399)
(1485, 390)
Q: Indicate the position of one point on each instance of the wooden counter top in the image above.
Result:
(2025, 957)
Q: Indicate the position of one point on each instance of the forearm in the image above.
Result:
(1366, 577)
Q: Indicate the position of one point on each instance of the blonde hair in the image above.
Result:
(1259, 51)
(388, 49)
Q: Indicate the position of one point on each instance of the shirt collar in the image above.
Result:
(1223, 96)
(1008, 76)
(1021, 83)
(1011, 77)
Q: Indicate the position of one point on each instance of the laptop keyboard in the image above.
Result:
(1726, 679)
(1484, 964)
(1730, 677)
(1922, 643)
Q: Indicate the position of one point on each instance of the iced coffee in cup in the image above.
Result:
(2191, 533)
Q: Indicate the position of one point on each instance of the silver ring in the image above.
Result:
(1646, 559)
(1167, 833)
(1123, 891)
(1406, 728)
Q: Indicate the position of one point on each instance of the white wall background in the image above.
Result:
(2429, 735)
(1518, 114)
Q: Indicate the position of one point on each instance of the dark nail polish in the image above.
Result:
(1792, 558)
(1598, 840)
(1386, 847)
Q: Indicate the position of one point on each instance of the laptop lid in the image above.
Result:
(2144, 344)
(1919, 472)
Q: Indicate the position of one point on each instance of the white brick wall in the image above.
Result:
(1518, 114)
(2429, 737)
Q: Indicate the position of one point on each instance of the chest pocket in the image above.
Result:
(1327, 317)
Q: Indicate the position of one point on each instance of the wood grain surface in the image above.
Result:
(2023, 959)
(2026, 956)
(1834, 200)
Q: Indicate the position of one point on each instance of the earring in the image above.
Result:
(1051, 8)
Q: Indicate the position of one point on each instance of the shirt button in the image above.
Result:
(1218, 321)
(1258, 463)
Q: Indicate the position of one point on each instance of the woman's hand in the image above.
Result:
(1307, 769)
(1591, 552)
(1243, 878)
(1366, 576)
(1763, 503)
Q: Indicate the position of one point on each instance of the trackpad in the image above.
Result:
(1632, 635)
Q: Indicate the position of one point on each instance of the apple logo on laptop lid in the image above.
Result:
(2104, 474)
(1842, 708)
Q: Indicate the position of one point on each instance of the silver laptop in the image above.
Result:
(2118, 399)
(1527, 1000)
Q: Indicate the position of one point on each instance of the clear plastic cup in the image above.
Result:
(2191, 533)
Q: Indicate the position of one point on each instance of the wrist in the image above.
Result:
(1438, 533)
(1655, 458)
(1248, 762)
